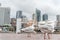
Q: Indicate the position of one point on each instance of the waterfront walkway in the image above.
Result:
(13, 36)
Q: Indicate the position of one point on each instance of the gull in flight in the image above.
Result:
(46, 27)
(29, 29)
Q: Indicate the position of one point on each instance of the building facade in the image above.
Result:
(18, 25)
(33, 16)
(4, 15)
(13, 22)
(45, 17)
(57, 28)
(38, 15)
(19, 14)
(58, 20)
(18, 21)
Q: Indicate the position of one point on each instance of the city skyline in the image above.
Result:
(51, 7)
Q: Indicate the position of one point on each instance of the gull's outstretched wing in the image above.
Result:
(47, 26)
(28, 29)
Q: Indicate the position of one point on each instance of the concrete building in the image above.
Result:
(38, 15)
(18, 21)
(33, 16)
(45, 17)
(13, 22)
(57, 22)
(19, 25)
(4, 15)
(58, 18)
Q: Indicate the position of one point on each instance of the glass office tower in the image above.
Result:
(38, 15)
(45, 17)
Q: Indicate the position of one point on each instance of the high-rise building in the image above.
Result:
(18, 25)
(19, 14)
(33, 16)
(58, 20)
(18, 21)
(38, 15)
(4, 15)
(45, 17)
(57, 28)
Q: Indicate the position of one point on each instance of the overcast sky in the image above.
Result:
(51, 7)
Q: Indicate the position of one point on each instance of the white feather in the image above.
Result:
(28, 29)
(46, 26)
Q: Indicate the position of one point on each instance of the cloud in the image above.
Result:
(56, 2)
(51, 7)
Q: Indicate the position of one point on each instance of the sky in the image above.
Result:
(51, 7)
